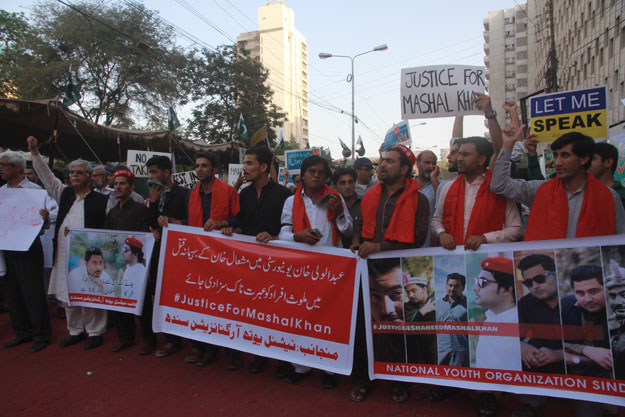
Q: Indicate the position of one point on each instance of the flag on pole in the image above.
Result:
(71, 94)
(260, 138)
(361, 150)
(241, 128)
(172, 119)
(281, 140)
(346, 151)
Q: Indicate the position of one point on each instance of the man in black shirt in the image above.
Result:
(260, 209)
(540, 307)
(344, 180)
(132, 216)
(166, 201)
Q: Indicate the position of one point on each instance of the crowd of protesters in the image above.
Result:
(363, 208)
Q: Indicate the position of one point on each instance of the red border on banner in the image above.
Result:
(284, 289)
(575, 383)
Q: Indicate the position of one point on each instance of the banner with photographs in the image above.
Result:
(284, 300)
(545, 318)
(108, 269)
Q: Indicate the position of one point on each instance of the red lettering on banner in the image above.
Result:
(528, 379)
(274, 287)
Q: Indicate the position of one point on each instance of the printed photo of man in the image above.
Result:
(615, 288)
(540, 306)
(387, 305)
(453, 349)
(494, 290)
(134, 274)
(420, 308)
(587, 352)
(91, 277)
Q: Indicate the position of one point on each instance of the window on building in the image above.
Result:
(622, 40)
(601, 57)
(611, 49)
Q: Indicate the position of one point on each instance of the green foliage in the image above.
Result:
(226, 82)
(123, 59)
(290, 145)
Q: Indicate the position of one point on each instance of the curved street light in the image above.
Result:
(350, 79)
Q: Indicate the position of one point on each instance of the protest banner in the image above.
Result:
(186, 179)
(399, 134)
(584, 111)
(135, 160)
(619, 142)
(234, 170)
(440, 91)
(294, 158)
(550, 165)
(108, 269)
(460, 318)
(283, 300)
(20, 221)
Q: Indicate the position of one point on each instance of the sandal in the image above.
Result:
(400, 393)
(487, 405)
(360, 392)
(194, 356)
(166, 350)
(206, 359)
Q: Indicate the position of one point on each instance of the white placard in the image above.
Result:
(20, 221)
(440, 90)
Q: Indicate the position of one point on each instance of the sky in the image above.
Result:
(417, 32)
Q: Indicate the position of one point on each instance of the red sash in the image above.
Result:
(488, 213)
(401, 227)
(300, 218)
(224, 203)
(549, 216)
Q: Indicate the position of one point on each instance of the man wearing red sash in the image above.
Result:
(573, 204)
(395, 215)
(316, 214)
(210, 205)
(469, 213)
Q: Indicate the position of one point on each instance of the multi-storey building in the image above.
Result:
(506, 48)
(284, 53)
(588, 39)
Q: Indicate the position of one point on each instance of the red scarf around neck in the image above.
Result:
(300, 218)
(224, 203)
(488, 213)
(401, 227)
(549, 216)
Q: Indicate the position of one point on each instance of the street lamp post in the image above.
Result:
(324, 55)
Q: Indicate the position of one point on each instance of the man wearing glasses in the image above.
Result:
(79, 207)
(365, 180)
(540, 306)
(494, 290)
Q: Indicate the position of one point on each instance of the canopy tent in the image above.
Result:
(78, 137)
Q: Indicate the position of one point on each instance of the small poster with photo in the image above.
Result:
(108, 269)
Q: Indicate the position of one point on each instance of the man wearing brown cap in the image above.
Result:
(394, 216)
(129, 215)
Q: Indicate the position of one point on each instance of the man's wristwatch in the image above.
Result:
(492, 115)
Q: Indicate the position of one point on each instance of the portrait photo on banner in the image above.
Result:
(108, 269)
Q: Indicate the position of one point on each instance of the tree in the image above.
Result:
(291, 144)
(123, 59)
(226, 83)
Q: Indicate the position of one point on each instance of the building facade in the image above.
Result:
(588, 38)
(284, 53)
(506, 60)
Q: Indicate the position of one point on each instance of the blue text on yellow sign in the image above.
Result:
(584, 111)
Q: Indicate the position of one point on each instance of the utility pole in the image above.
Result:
(551, 75)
